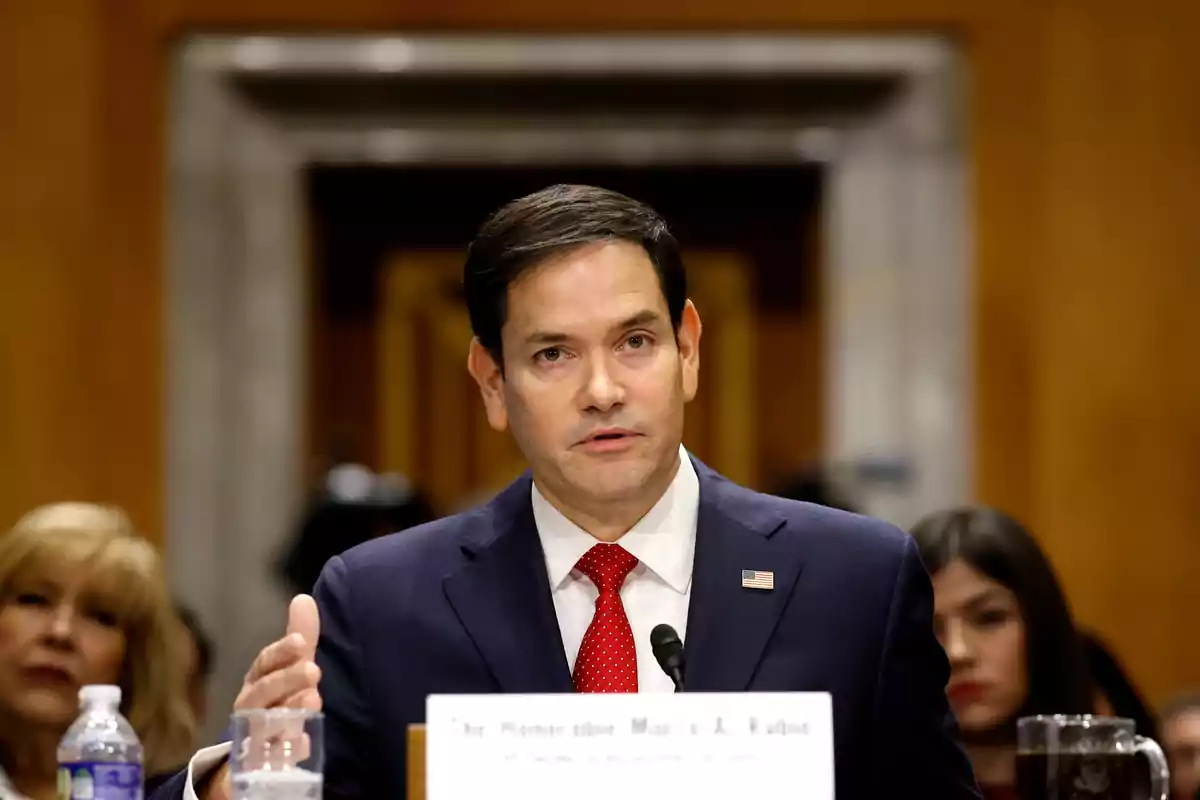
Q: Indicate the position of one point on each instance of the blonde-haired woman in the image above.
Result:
(83, 601)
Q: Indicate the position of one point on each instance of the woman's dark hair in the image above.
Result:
(813, 485)
(997, 546)
(534, 228)
(1110, 679)
(204, 644)
(332, 525)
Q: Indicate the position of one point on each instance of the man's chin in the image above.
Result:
(613, 477)
(614, 481)
(612, 484)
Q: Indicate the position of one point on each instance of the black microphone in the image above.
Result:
(668, 651)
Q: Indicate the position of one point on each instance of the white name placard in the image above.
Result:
(630, 746)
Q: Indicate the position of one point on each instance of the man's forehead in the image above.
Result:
(599, 286)
(615, 264)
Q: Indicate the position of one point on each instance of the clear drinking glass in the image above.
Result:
(1068, 757)
(278, 754)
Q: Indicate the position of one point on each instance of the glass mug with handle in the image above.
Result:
(1070, 757)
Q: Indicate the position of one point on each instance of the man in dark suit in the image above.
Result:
(587, 349)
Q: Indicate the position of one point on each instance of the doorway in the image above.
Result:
(388, 329)
(256, 118)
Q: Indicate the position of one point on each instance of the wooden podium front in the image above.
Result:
(416, 762)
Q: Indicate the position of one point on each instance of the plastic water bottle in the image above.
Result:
(100, 758)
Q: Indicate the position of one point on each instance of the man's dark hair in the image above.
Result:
(545, 224)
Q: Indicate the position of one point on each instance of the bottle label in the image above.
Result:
(88, 780)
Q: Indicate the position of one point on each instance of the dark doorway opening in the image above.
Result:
(764, 219)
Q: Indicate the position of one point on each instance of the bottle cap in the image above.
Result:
(90, 695)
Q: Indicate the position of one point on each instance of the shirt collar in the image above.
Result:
(664, 540)
(7, 790)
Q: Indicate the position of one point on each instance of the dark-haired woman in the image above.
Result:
(1005, 625)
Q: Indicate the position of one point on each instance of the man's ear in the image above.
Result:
(488, 374)
(688, 338)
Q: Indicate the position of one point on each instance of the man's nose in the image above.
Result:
(603, 390)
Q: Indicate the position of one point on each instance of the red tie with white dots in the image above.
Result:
(607, 660)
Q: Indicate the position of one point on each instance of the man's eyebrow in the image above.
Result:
(546, 337)
(641, 318)
(554, 337)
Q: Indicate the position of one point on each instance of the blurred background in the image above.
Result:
(945, 252)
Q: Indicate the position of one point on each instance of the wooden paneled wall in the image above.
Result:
(1084, 126)
(1115, 401)
(80, 300)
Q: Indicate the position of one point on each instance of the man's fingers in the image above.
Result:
(272, 690)
(308, 699)
(304, 620)
(300, 643)
(278, 655)
(284, 675)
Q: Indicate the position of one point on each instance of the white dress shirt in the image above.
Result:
(658, 589)
(7, 790)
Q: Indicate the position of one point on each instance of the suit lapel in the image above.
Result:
(502, 596)
(729, 626)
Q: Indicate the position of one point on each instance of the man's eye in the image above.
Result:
(638, 341)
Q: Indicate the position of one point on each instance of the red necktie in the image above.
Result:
(607, 660)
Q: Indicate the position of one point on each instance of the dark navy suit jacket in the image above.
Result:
(463, 605)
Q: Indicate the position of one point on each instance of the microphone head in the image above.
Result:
(667, 648)
(668, 652)
(664, 636)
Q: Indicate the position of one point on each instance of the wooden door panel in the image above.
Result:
(432, 423)
(721, 421)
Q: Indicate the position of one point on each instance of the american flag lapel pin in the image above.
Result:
(758, 579)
